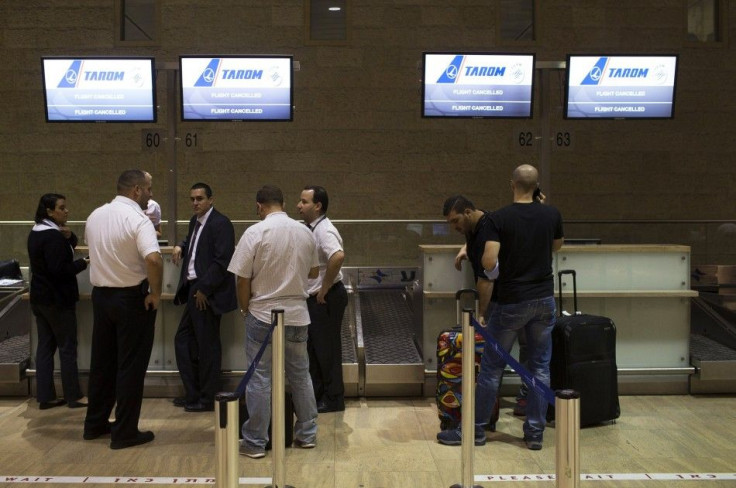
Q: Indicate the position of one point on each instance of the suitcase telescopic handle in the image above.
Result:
(574, 288)
(459, 294)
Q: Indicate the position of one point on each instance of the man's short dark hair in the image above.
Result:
(269, 195)
(458, 204)
(130, 178)
(47, 201)
(204, 186)
(320, 196)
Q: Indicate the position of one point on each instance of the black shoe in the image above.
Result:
(91, 434)
(533, 443)
(326, 406)
(199, 407)
(140, 438)
(55, 403)
(77, 403)
(179, 401)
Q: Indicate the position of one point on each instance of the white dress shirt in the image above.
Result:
(191, 274)
(120, 236)
(329, 242)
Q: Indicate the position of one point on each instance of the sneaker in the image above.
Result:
(453, 437)
(252, 452)
(305, 444)
(520, 407)
(533, 443)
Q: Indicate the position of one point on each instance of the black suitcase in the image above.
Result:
(584, 359)
(288, 420)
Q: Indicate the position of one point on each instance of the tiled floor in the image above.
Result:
(378, 443)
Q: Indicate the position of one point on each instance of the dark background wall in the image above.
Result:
(357, 128)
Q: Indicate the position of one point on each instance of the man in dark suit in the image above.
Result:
(207, 290)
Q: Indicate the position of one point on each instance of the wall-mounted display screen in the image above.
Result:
(620, 87)
(236, 88)
(84, 89)
(481, 85)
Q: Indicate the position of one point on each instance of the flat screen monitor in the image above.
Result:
(620, 87)
(236, 88)
(84, 89)
(478, 85)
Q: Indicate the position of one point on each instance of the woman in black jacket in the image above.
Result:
(54, 295)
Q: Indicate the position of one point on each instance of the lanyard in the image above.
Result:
(316, 224)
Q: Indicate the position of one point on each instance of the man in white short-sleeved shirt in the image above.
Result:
(327, 302)
(126, 272)
(272, 262)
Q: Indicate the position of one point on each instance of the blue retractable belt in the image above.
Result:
(251, 369)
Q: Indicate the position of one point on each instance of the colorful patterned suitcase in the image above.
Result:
(449, 371)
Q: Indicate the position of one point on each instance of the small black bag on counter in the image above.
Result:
(10, 268)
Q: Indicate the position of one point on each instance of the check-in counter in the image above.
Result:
(644, 289)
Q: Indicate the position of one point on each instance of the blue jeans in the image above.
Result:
(537, 318)
(258, 391)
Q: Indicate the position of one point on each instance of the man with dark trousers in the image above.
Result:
(126, 271)
(207, 289)
(327, 301)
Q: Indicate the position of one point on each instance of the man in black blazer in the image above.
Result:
(207, 290)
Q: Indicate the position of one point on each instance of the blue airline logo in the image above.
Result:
(71, 77)
(75, 73)
(456, 68)
(207, 78)
(210, 74)
(628, 72)
(595, 75)
(452, 71)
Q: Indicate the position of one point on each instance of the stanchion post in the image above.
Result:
(467, 409)
(226, 440)
(567, 448)
(278, 385)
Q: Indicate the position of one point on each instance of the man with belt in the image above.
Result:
(272, 262)
(327, 301)
(126, 272)
(207, 289)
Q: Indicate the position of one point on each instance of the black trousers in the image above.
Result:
(122, 340)
(325, 343)
(199, 352)
(57, 328)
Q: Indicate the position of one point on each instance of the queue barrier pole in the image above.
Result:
(278, 385)
(567, 442)
(226, 439)
(467, 409)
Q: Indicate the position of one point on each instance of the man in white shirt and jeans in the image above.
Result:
(126, 272)
(272, 262)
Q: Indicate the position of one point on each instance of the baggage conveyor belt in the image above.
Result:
(350, 366)
(387, 351)
(713, 343)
